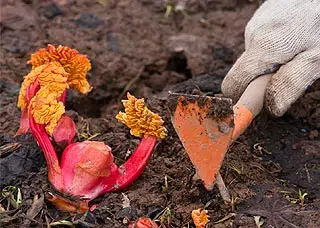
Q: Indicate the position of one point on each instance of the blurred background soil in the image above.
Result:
(133, 47)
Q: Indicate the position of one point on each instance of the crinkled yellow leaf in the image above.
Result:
(56, 69)
(200, 218)
(75, 64)
(140, 119)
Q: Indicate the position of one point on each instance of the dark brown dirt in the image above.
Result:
(132, 40)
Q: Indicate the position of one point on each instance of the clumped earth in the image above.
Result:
(134, 47)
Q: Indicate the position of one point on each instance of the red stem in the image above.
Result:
(38, 131)
(123, 176)
(119, 178)
(64, 96)
(138, 161)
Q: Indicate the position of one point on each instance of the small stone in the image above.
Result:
(203, 22)
(27, 1)
(223, 53)
(16, 17)
(16, 45)
(313, 134)
(303, 130)
(88, 20)
(127, 212)
(52, 10)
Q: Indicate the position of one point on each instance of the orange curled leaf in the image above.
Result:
(44, 105)
(143, 222)
(75, 64)
(65, 204)
(55, 69)
(200, 218)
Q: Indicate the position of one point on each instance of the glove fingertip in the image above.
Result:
(236, 81)
(244, 71)
(275, 104)
(228, 87)
(290, 82)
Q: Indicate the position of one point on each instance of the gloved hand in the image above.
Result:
(285, 34)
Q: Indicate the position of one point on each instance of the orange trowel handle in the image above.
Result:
(249, 105)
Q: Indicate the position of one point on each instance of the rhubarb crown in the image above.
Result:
(140, 119)
(55, 69)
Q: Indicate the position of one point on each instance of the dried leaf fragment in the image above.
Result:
(140, 119)
(200, 218)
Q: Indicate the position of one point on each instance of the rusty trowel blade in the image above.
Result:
(204, 125)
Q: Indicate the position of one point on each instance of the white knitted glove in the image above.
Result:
(285, 34)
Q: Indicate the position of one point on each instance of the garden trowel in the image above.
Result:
(208, 125)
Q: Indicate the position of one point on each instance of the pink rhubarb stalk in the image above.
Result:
(86, 169)
(143, 222)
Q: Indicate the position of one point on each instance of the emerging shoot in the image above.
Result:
(87, 168)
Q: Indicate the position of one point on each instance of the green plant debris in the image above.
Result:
(226, 218)
(258, 220)
(172, 7)
(302, 196)
(237, 170)
(84, 132)
(103, 2)
(166, 185)
(164, 217)
(12, 195)
(169, 8)
(287, 194)
(62, 223)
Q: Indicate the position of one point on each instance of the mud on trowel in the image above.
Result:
(208, 125)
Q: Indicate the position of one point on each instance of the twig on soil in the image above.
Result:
(62, 223)
(35, 209)
(161, 212)
(28, 220)
(82, 221)
(73, 223)
(93, 136)
(8, 212)
(237, 170)
(11, 218)
(287, 222)
(166, 185)
(229, 216)
(47, 221)
(84, 132)
(308, 174)
(9, 148)
(223, 189)
(233, 203)
(131, 82)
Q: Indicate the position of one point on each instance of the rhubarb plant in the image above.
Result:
(86, 169)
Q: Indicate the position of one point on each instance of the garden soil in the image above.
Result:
(134, 47)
